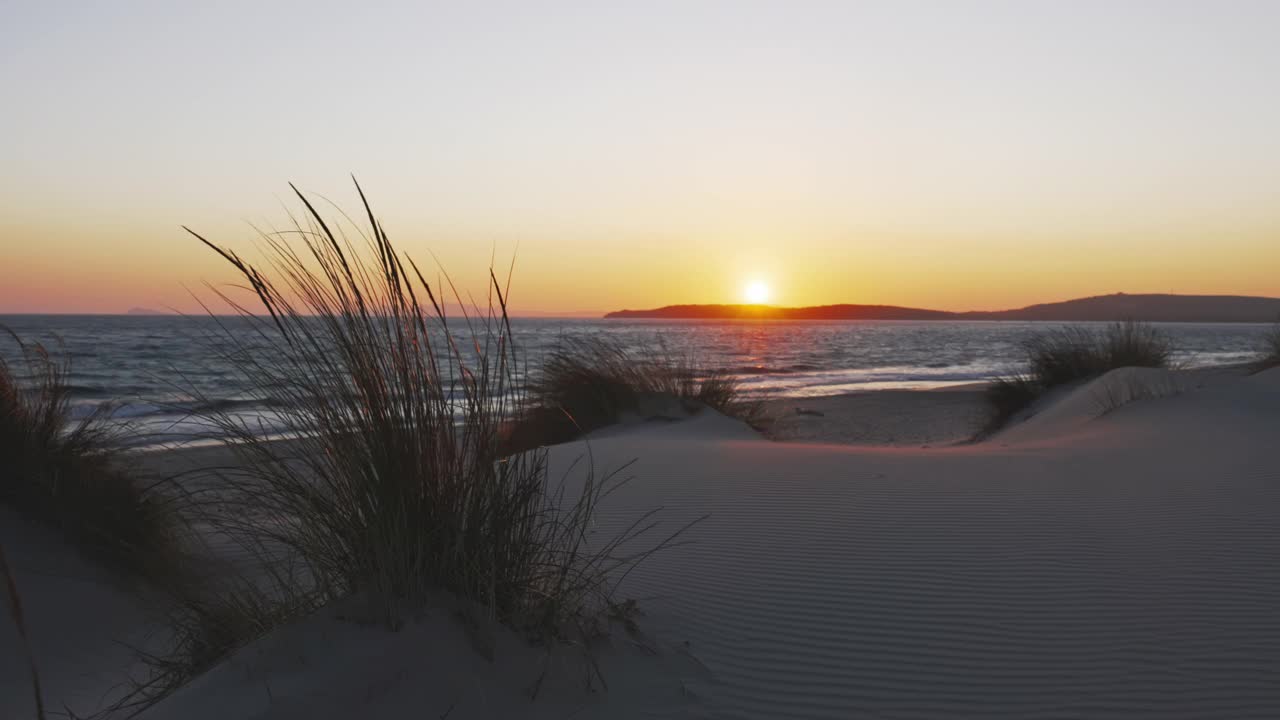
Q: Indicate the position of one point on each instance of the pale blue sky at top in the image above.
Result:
(947, 154)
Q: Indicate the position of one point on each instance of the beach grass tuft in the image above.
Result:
(588, 382)
(1008, 396)
(1072, 354)
(392, 482)
(1134, 344)
(70, 474)
(1269, 356)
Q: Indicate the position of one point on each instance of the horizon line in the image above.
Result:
(601, 314)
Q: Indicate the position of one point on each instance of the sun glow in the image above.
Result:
(756, 293)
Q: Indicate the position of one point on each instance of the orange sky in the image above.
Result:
(978, 157)
(110, 267)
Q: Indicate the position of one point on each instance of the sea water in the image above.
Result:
(157, 371)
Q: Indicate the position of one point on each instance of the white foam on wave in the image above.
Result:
(836, 382)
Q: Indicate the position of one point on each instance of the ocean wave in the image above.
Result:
(834, 382)
(150, 374)
(88, 390)
(769, 370)
(176, 408)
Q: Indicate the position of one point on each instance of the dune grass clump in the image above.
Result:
(586, 383)
(1007, 396)
(1269, 357)
(71, 475)
(1134, 344)
(1072, 354)
(393, 482)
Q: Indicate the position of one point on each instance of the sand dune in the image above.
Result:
(1074, 408)
(1082, 564)
(83, 624)
(1129, 571)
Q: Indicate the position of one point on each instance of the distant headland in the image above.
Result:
(1120, 306)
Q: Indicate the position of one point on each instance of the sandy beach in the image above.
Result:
(1090, 561)
(899, 418)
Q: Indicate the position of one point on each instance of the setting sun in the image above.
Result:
(756, 293)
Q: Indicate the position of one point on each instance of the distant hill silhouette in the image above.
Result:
(1121, 306)
(147, 311)
(768, 312)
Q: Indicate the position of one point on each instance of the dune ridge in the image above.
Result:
(1118, 572)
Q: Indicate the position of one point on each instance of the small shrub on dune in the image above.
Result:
(719, 390)
(71, 475)
(1073, 354)
(1270, 354)
(395, 483)
(1009, 395)
(586, 383)
(1062, 356)
(1134, 344)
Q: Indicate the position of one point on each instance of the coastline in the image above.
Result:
(915, 417)
(153, 373)
(925, 417)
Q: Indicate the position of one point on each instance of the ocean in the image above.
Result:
(152, 368)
